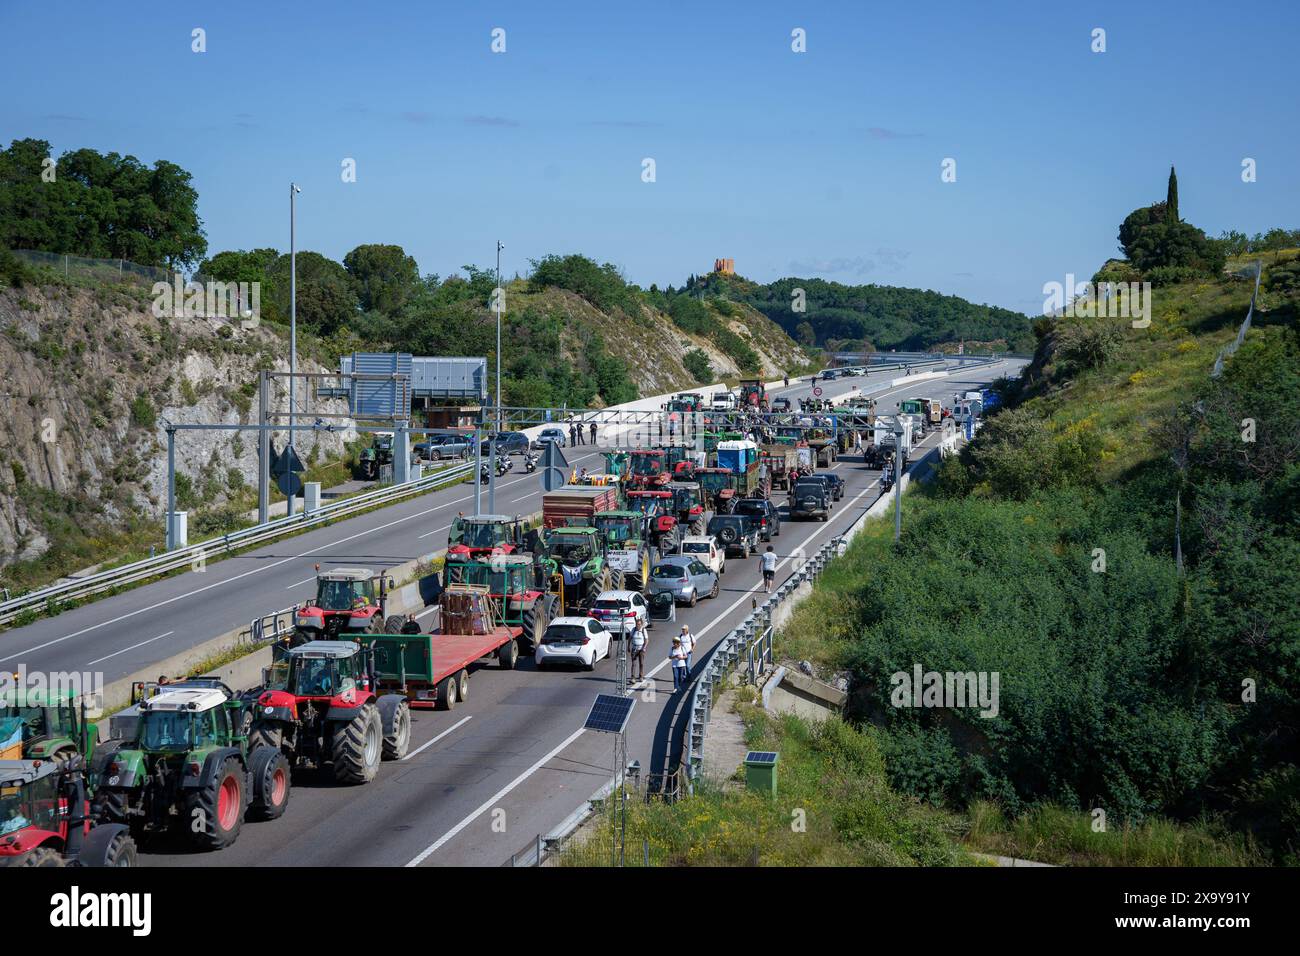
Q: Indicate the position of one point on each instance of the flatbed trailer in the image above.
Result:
(420, 666)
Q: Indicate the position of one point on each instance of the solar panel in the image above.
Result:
(609, 714)
(760, 756)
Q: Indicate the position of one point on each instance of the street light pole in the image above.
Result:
(293, 321)
(492, 448)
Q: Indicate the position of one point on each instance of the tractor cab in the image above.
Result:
(648, 468)
(688, 502)
(348, 601)
(319, 670)
(43, 725)
(45, 820)
(620, 527)
(481, 536)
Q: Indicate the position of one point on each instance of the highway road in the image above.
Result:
(481, 781)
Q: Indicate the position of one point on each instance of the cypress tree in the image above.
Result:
(1171, 200)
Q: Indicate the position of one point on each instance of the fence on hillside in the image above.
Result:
(95, 270)
(1228, 350)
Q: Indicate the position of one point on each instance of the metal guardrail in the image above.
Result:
(259, 630)
(750, 641)
(50, 597)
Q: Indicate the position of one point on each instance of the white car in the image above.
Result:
(572, 640)
(620, 611)
(705, 550)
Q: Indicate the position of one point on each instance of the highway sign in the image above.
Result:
(289, 484)
(554, 468)
(290, 460)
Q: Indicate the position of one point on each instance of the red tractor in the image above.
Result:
(657, 506)
(45, 818)
(348, 601)
(319, 704)
(647, 468)
(688, 505)
(483, 536)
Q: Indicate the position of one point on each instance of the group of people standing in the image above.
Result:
(680, 656)
(576, 433)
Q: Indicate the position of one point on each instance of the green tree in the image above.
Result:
(1171, 196)
(697, 363)
(385, 277)
(326, 298)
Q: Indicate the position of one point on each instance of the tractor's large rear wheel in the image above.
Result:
(215, 812)
(395, 716)
(616, 580)
(358, 746)
(536, 618)
(393, 625)
(265, 733)
(697, 525)
(269, 770)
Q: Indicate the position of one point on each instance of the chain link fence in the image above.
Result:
(95, 270)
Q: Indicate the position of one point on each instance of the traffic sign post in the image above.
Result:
(554, 469)
(817, 391)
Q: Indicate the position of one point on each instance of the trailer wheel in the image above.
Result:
(358, 746)
(446, 693)
(393, 625)
(271, 781)
(508, 655)
(214, 813)
(395, 717)
(462, 685)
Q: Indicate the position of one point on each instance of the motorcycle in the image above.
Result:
(530, 463)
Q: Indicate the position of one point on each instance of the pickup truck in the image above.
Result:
(810, 499)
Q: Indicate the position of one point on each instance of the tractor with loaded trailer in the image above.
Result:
(432, 670)
(472, 537)
(318, 705)
(516, 585)
(45, 818)
(183, 762)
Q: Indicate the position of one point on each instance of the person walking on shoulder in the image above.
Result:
(688, 642)
(637, 645)
(768, 562)
(678, 658)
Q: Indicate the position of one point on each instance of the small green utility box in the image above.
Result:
(760, 771)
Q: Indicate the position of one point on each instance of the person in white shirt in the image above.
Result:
(637, 645)
(768, 562)
(678, 658)
(688, 643)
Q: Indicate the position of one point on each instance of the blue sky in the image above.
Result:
(821, 163)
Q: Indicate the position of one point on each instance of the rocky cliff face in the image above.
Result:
(90, 376)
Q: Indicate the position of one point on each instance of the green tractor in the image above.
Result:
(627, 546)
(181, 760)
(575, 568)
(511, 582)
(44, 725)
(371, 459)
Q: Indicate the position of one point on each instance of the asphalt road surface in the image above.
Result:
(510, 762)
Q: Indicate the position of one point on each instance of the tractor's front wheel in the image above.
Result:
(358, 746)
(271, 782)
(41, 856)
(395, 716)
(215, 812)
(108, 846)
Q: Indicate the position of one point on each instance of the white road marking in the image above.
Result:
(290, 587)
(131, 648)
(427, 745)
(492, 800)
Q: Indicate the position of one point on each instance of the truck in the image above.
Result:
(723, 401)
(741, 458)
(432, 670)
(753, 394)
(780, 460)
(577, 505)
(823, 444)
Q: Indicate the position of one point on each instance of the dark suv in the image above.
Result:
(734, 533)
(764, 513)
(810, 499)
(508, 443)
(834, 483)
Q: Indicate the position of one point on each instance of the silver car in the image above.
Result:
(685, 577)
